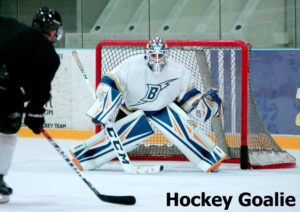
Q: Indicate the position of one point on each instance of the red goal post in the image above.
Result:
(110, 53)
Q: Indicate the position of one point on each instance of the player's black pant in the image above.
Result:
(11, 105)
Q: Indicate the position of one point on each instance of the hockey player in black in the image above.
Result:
(28, 63)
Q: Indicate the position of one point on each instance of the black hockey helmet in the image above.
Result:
(45, 20)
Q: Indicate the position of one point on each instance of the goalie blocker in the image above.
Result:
(107, 103)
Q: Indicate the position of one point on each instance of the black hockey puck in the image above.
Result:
(238, 27)
(166, 27)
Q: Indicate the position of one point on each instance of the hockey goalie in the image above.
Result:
(152, 88)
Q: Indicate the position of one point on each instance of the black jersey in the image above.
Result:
(30, 60)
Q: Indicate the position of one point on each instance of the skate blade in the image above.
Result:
(4, 199)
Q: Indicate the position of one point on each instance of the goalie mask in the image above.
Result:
(156, 53)
(45, 20)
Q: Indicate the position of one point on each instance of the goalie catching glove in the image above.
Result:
(208, 105)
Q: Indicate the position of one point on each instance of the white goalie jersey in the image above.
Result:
(148, 91)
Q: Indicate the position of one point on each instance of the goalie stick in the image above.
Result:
(127, 166)
(124, 200)
(123, 157)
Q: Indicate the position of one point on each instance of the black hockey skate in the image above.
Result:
(5, 191)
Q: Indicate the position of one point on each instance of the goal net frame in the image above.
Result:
(244, 49)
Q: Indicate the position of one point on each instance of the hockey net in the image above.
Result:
(220, 64)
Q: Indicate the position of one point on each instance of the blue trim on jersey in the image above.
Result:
(127, 109)
(190, 94)
(110, 81)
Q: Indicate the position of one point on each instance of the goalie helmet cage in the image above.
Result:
(220, 64)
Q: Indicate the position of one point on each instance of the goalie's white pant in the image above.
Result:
(98, 150)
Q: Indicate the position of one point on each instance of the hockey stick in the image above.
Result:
(124, 200)
(123, 156)
(115, 140)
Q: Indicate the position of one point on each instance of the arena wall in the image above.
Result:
(275, 79)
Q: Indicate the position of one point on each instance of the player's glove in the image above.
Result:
(34, 118)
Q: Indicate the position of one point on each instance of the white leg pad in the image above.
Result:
(180, 130)
(98, 150)
(82, 153)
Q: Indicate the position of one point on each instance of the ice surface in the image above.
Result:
(43, 181)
